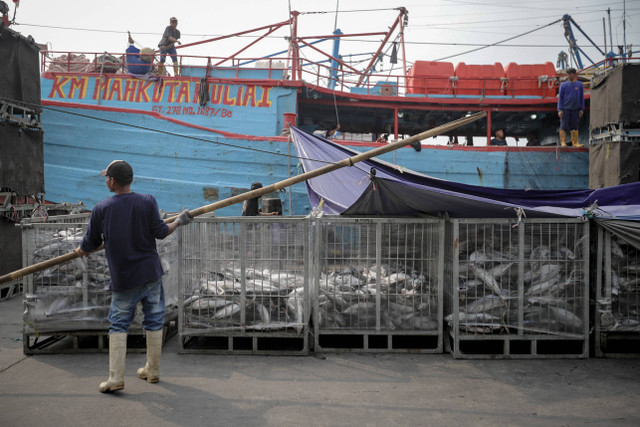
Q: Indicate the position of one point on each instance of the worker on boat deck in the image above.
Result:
(128, 224)
(570, 108)
(170, 37)
(139, 61)
(250, 207)
(499, 139)
(333, 132)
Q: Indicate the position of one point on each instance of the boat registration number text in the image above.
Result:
(191, 111)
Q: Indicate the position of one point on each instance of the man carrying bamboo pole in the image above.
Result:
(128, 224)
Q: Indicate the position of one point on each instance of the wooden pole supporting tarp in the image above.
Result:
(270, 188)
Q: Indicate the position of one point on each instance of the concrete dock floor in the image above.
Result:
(337, 390)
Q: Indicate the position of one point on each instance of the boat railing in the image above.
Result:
(320, 74)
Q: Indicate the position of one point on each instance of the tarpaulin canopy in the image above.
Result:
(375, 187)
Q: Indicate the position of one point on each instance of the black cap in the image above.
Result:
(256, 185)
(119, 170)
(571, 71)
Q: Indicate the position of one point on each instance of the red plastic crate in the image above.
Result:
(479, 80)
(430, 77)
(531, 79)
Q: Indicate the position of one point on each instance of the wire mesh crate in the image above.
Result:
(15, 287)
(617, 319)
(517, 289)
(244, 285)
(378, 285)
(74, 297)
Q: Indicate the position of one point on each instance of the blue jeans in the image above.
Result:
(123, 307)
(173, 53)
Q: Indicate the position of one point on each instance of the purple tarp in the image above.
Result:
(390, 191)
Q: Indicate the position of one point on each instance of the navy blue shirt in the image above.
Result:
(129, 225)
(499, 142)
(571, 96)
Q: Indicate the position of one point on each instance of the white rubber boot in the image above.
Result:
(117, 355)
(151, 370)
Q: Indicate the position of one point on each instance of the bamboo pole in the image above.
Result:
(268, 189)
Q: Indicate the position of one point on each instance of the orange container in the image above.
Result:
(430, 77)
(289, 119)
(479, 79)
(531, 79)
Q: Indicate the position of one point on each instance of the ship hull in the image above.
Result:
(188, 155)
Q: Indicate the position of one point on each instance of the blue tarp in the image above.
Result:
(375, 187)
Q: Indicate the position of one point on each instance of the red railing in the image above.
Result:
(318, 73)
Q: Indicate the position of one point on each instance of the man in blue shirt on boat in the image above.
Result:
(128, 224)
(499, 139)
(167, 45)
(570, 108)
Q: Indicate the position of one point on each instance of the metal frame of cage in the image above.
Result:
(16, 287)
(617, 312)
(244, 285)
(360, 307)
(71, 301)
(542, 306)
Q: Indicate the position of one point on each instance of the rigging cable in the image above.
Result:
(497, 43)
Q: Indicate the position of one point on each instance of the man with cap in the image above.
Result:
(170, 37)
(499, 139)
(570, 108)
(128, 225)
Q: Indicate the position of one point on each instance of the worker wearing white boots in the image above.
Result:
(128, 224)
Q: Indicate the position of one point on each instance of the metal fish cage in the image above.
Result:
(378, 284)
(244, 285)
(617, 316)
(72, 300)
(517, 289)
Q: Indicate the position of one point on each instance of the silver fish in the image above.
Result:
(488, 280)
(566, 317)
(488, 303)
(228, 311)
(540, 288)
(500, 269)
(359, 307)
(208, 303)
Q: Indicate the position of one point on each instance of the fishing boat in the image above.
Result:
(223, 122)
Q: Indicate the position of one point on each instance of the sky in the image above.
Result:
(437, 29)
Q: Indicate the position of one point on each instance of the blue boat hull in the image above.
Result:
(190, 156)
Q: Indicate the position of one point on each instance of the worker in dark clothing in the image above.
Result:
(570, 108)
(333, 132)
(128, 224)
(250, 207)
(170, 37)
(499, 139)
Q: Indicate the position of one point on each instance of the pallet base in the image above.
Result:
(10, 290)
(284, 344)
(377, 342)
(64, 342)
(618, 345)
(516, 347)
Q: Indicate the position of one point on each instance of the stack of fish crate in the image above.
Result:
(617, 318)
(244, 285)
(66, 306)
(378, 285)
(517, 289)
